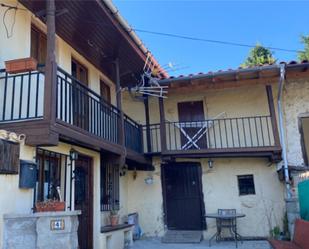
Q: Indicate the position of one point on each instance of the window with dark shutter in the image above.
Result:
(105, 91)
(9, 157)
(246, 185)
(38, 45)
(109, 187)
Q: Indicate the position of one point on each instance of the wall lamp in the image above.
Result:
(73, 155)
(210, 163)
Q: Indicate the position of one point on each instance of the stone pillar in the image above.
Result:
(65, 238)
(292, 209)
(46, 230)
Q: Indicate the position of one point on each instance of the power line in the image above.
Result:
(196, 38)
(211, 41)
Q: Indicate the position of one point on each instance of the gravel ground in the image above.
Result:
(156, 244)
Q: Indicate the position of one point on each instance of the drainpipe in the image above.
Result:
(282, 132)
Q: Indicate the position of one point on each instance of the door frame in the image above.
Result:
(200, 183)
(90, 235)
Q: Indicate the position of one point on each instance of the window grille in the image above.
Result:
(246, 185)
(109, 186)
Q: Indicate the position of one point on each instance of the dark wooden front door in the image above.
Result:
(183, 196)
(84, 200)
(190, 113)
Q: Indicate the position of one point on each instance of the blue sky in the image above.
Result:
(272, 23)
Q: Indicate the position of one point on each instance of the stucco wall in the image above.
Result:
(220, 187)
(295, 103)
(12, 198)
(237, 102)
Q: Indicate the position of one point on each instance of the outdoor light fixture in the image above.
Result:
(73, 155)
(210, 163)
(149, 180)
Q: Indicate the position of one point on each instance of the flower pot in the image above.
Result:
(21, 65)
(114, 219)
(50, 206)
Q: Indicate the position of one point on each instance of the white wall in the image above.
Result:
(220, 187)
(12, 198)
(295, 104)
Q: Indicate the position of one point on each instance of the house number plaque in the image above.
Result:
(56, 225)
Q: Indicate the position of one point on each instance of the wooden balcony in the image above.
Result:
(225, 137)
(82, 116)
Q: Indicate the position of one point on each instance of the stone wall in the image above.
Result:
(35, 231)
(295, 103)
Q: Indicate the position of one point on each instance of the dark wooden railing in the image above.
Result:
(21, 96)
(154, 137)
(82, 107)
(244, 132)
(133, 135)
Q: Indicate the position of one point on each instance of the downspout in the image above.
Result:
(282, 131)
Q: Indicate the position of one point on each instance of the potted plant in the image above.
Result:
(50, 206)
(21, 65)
(114, 218)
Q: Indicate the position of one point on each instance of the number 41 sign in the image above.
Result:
(57, 224)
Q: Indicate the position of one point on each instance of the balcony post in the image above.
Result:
(272, 113)
(162, 126)
(50, 88)
(119, 105)
(148, 137)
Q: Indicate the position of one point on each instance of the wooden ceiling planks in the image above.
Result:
(92, 30)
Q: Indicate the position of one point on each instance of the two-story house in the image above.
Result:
(214, 142)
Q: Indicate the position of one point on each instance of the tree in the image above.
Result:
(304, 55)
(258, 56)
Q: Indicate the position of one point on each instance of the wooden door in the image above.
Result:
(183, 196)
(84, 200)
(189, 113)
(80, 95)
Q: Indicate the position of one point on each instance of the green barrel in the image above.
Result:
(303, 193)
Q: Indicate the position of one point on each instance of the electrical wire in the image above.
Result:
(210, 40)
(9, 32)
(192, 38)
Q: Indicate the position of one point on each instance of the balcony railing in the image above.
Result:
(21, 96)
(227, 133)
(82, 107)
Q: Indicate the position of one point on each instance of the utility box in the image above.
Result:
(27, 174)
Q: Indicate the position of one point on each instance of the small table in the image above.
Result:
(225, 217)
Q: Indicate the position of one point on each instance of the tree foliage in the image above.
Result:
(258, 56)
(304, 55)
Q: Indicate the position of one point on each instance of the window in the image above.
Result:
(105, 91)
(49, 174)
(80, 72)
(9, 157)
(38, 45)
(246, 185)
(109, 187)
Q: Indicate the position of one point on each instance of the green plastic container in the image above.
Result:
(303, 194)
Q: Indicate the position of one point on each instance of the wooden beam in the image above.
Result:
(119, 103)
(162, 125)
(148, 136)
(50, 87)
(272, 113)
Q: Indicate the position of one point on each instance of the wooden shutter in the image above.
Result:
(9, 157)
